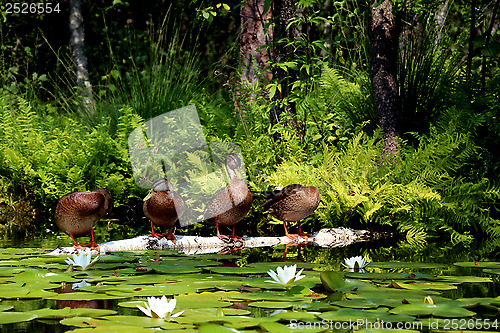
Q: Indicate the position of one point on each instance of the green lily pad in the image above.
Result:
(31, 275)
(273, 265)
(492, 271)
(141, 321)
(216, 311)
(388, 276)
(112, 328)
(280, 328)
(297, 316)
(15, 317)
(68, 313)
(437, 310)
(357, 304)
(463, 279)
(332, 280)
(148, 291)
(6, 307)
(237, 270)
(356, 315)
(407, 265)
(214, 328)
(85, 322)
(478, 264)
(273, 305)
(83, 296)
(203, 300)
(423, 285)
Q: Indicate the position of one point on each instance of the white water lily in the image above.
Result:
(160, 307)
(285, 275)
(80, 284)
(82, 259)
(357, 263)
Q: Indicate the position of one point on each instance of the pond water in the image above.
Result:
(218, 292)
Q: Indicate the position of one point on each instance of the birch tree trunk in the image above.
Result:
(333, 237)
(440, 18)
(77, 46)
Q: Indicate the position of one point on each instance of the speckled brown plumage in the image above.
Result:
(163, 207)
(229, 204)
(292, 204)
(77, 212)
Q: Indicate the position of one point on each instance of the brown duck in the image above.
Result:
(293, 203)
(230, 204)
(163, 206)
(77, 212)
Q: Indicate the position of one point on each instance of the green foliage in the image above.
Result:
(46, 155)
(420, 194)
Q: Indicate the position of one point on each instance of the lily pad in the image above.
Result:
(357, 304)
(214, 328)
(437, 310)
(83, 296)
(280, 328)
(478, 264)
(464, 279)
(332, 280)
(407, 265)
(15, 317)
(68, 313)
(388, 276)
(356, 316)
(273, 305)
(237, 270)
(6, 307)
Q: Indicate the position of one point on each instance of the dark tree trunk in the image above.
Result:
(77, 46)
(487, 42)
(472, 34)
(283, 12)
(255, 34)
(383, 66)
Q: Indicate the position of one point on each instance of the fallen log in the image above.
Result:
(331, 237)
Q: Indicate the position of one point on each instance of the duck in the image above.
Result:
(293, 203)
(163, 207)
(77, 212)
(230, 204)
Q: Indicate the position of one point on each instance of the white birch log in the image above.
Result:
(333, 237)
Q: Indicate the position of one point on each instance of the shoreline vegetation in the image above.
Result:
(304, 114)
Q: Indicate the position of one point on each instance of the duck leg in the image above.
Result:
(219, 235)
(92, 245)
(303, 234)
(233, 236)
(76, 245)
(170, 235)
(153, 233)
(291, 236)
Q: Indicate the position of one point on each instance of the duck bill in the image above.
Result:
(149, 195)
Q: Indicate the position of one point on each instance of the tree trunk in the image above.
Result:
(487, 42)
(283, 12)
(383, 66)
(77, 46)
(255, 35)
(472, 34)
(441, 20)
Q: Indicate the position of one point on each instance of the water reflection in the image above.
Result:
(75, 304)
